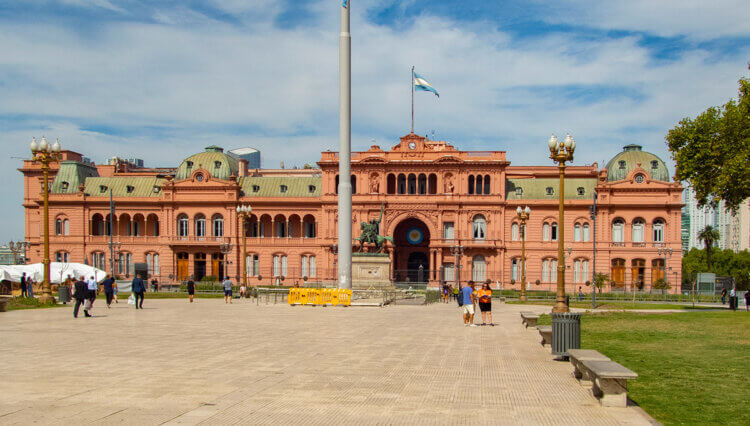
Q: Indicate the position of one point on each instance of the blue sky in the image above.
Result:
(161, 80)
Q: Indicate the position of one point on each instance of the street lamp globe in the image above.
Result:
(43, 146)
(527, 210)
(34, 146)
(553, 144)
(56, 146)
(568, 142)
(518, 210)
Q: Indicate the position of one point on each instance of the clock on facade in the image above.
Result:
(412, 145)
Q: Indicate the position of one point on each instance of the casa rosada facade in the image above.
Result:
(443, 207)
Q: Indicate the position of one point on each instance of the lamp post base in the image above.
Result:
(560, 307)
(522, 298)
(47, 299)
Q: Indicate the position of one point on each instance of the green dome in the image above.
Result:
(213, 160)
(631, 155)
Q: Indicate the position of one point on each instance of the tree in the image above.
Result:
(724, 263)
(712, 151)
(600, 279)
(708, 235)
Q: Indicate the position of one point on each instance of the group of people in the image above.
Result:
(27, 286)
(469, 297)
(85, 292)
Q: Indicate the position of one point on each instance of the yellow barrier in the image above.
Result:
(320, 296)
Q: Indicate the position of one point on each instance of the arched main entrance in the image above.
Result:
(411, 239)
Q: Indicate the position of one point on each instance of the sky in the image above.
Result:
(161, 80)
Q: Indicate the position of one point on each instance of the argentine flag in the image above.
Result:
(422, 84)
(345, 3)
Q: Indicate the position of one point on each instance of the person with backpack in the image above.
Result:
(468, 297)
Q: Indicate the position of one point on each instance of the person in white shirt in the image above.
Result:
(93, 288)
(227, 284)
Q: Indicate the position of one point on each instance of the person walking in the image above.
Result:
(580, 294)
(455, 293)
(485, 303)
(723, 296)
(747, 300)
(114, 289)
(109, 291)
(138, 288)
(191, 289)
(733, 299)
(23, 285)
(227, 290)
(468, 299)
(29, 287)
(93, 289)
(80, 294)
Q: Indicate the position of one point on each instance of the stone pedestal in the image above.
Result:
(371, 271)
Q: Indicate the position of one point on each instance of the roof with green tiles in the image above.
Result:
(70, 175)
(220, 165)
(623, 163)
(537, 188)
(296, 186)
(137, 186)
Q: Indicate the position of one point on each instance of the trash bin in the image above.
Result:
(566, 332)
(63, 294)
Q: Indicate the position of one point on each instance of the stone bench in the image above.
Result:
(610, 382)
(576, 357)
(546, 332)
(4, 300)
(529, 319)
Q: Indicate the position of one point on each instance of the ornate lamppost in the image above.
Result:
(457, 250)
(523, 216)
(114, 251)
(225, 248)
(560, 152)
(244, 212)
(44, 154)
(17, 248)
(663, 251)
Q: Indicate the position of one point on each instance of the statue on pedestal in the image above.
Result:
(371, 234)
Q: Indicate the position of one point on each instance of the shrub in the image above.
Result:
(210, 278)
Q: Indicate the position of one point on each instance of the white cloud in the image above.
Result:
(209, 82)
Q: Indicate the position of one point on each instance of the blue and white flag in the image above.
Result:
(345, 3)
(422, 84)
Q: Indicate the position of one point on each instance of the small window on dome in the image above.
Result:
(283, 188)
(102, 188)
(156, 189)
(65, 186)
(130, 188)
(519, 191)
(199, 177)
(654, 164)
(581, 191)
(639, 178)
(550, 190)
(189, 164)
(217, 164)
(622, 164)
(256, 188)
(311, 188)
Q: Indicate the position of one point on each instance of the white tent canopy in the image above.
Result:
(59, 272)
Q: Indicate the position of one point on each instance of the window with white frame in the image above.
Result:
(553, 231)
(279, 265)
(584, 270)
(545, 231)
(514, 231)
(200, 225)
(586, 234)
(478, 269)
(545, 271)
(448, 231)
(577, 271)
(618, 231)
(577, 232)
(479, 225)
(514, 268)
(638, 230)
(449, 272)
(152, 264)
(218, 225)
(553, 270)
(658, 231)
(125, 263)
(62, 256)
(98, 260)
(308, 266)
(252, 265)
(183, 225)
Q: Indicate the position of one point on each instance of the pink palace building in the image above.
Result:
(180, 221)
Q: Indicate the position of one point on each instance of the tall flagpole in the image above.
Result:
(412, 99)
(345, 147)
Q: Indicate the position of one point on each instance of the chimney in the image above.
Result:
(243, 167)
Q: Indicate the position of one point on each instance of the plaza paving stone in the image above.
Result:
(213, 363)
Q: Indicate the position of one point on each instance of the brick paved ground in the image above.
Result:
(241, 363)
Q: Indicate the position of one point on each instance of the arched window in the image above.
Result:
(183, 225)
(545, 270)
(580, 270)
(124, 263)
(401, 183)
(62, 257)
(391, 183)
(218, 225)
(486, 184)
(618, 231)
(577, 232)
(66, 227)
(479, 227)
(309, 268)
(657, 270)
(152, 264)
(336, 184)
(545, 231)
(200, 225)
(432, 184)
(471, 184)
(353, 181)
(98, 260)
(658, 231)
(478, 269)
(553, 231)
(638, 230)
(514, 265)
(58, 226)
(618, 272)
(422, 184)
(586, 235)
(514, 231)
(549, 270)
(252, 265)
(478, 185)
(279, 265)
(309, 225)
(97, 224)
(412, 183)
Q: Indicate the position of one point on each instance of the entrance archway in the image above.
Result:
(411, 240)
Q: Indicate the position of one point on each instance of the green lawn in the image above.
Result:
(613, 305)
(694, 367)
(19, 302)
